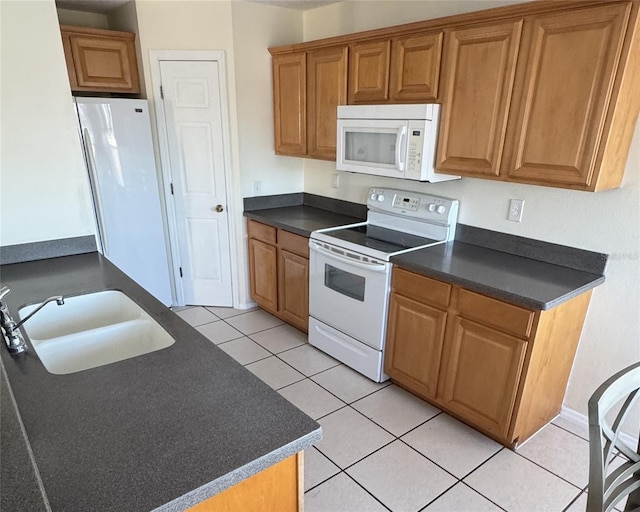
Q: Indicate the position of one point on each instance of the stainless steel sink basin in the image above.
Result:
(92, 330)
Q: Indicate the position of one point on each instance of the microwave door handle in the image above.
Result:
(373, 267)
(400, 152)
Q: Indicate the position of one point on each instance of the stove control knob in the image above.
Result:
(440, 209)
(374, 197)
(431, 207)
(380, 197)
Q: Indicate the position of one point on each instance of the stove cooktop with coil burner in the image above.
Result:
(398, 221)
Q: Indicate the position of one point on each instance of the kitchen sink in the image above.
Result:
(92, 330)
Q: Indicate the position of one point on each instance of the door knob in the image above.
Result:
(219, 208)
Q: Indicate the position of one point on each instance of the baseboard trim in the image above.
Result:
(582, 420)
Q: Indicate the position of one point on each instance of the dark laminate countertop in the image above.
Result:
(522, 281)
(514, 273)
(301, 219)
(164, 430)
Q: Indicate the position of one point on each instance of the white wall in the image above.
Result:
(606, 222)
(83, 19)
(44, 187)
(255, 28)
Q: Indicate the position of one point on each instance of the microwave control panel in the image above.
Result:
(415, 146)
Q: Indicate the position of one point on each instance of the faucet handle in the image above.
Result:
(4, 291)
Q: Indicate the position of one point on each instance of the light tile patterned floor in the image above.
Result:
(384, 449)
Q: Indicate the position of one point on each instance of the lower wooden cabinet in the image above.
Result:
(414, 343)
(279, 272)
(480, 374)
(279, 488)
(499, 367)
(263, 262)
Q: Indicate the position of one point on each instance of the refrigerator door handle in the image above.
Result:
(91, 165)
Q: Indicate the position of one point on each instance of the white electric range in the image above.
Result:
(350, 272)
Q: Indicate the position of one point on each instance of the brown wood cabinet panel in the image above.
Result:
(369, 71)
(496, 313)
(279, 272)
(100, 60)
(260, 231)
(68, 57)
(478, 75)
(564, 93)
(103, 64)
(415, 67)
(275, 489)
(421, 288)
(293, 243)
(263, 268)
(480, 375)
(414, 344)
(290, 103)
(293, 289)
(549, 365)
(327, 88)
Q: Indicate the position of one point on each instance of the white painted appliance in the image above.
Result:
(116, 135)
(350, 272)
(396, 141)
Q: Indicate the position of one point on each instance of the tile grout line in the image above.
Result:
(547, 470)
(395, 438)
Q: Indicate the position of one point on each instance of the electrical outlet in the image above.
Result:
(515, 210)
(335, 181)
(257, 187)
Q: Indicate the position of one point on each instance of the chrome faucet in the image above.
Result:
(12, 336)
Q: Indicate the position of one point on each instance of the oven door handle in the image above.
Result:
(373, 267)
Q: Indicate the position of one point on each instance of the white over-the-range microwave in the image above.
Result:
(397, 141)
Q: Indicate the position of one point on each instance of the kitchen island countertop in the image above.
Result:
(165, 430)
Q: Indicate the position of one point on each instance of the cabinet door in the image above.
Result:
(369, 71)
(104, 64)
(478, 77)
(414, 344)
(564, 95)
(290, 103)
(327, 88)
(293, 289)
(480, 375)
(263, 274)
(415, 67)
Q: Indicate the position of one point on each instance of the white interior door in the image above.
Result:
(194, 131)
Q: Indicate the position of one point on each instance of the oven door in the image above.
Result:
(349, 294)
(369, 146)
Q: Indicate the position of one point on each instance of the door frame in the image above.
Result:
(155, 57)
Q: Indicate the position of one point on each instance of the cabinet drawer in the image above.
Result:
(495, 313)
(293, 243)
(261, 231)
(421, 288)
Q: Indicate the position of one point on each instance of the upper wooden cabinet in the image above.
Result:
(563, 96)
(290, 103)
(326, 89)
(369, 71)
(415, 67)
(100, 60)
(307, 89)
(544, 92)
(479, 70)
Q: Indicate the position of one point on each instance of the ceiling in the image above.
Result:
(104, 6)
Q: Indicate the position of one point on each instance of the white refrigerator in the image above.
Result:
(116, 135)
